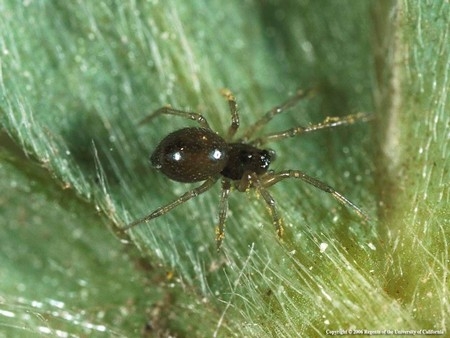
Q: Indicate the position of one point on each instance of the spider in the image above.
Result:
(198, 154)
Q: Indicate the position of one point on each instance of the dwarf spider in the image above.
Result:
(196, 154)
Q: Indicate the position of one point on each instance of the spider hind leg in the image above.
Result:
(180, 200)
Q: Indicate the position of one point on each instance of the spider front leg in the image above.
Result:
(253, 180)
(329, 122)
(170, 111)
(274, 178)
(180, 200)
(223, 209)
(276, 220)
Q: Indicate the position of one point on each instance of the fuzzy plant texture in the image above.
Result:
(77, 76)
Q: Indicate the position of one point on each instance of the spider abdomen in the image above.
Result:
(191, 155)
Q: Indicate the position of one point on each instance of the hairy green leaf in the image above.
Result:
(75, 79)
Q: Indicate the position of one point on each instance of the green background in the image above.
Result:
(75, 77)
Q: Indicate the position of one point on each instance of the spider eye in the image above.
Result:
(272, 154)
(266, 158)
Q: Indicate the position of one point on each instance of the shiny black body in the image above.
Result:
(198, 154)
(195, 154)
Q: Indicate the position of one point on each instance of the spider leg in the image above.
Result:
(273, 178)
(329, 122)
(170, 111)
(255, 181)
(299, 95)
(223, 209)
(276, 220)
(234, 113)
(180, 200)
